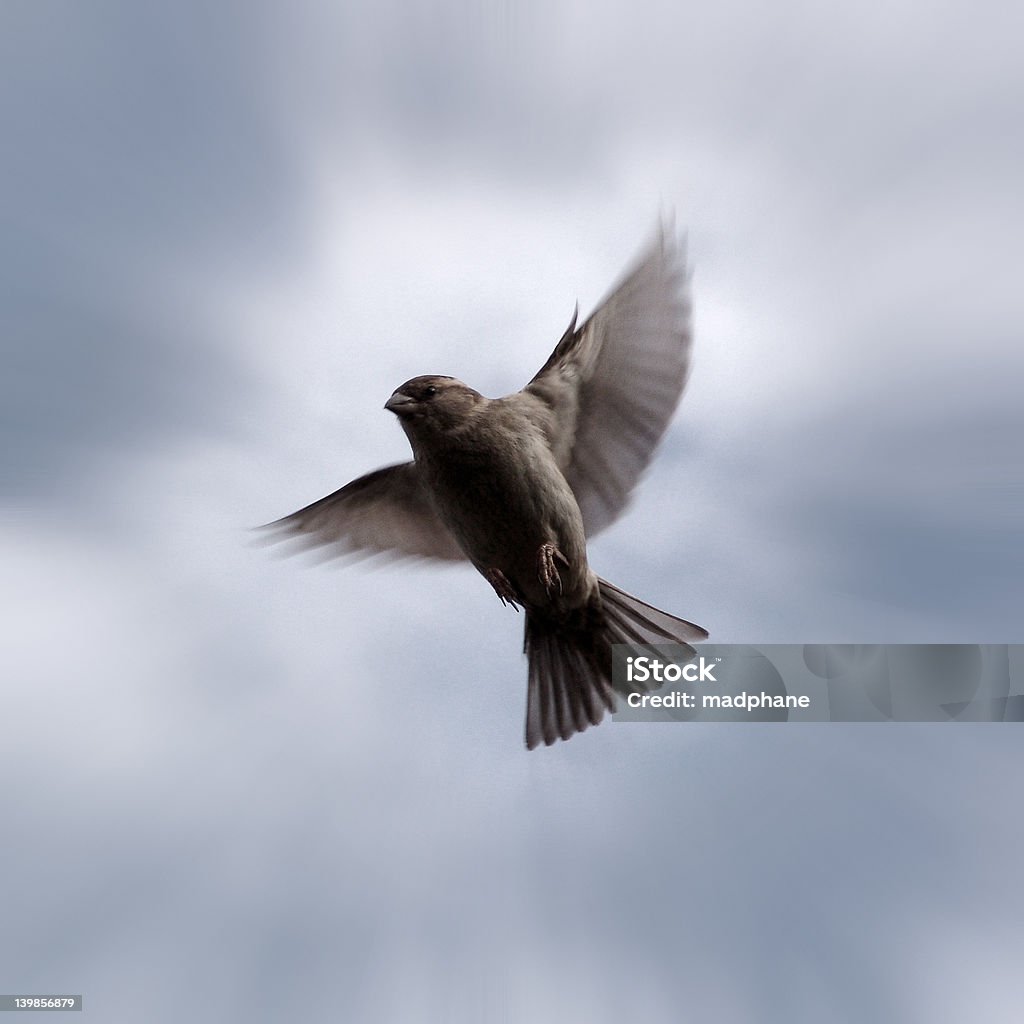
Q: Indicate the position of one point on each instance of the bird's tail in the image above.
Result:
(570, 679)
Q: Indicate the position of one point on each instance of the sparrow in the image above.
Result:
(516, 485)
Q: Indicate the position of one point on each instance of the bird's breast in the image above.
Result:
(503, 502)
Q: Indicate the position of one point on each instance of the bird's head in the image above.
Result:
(432, 405)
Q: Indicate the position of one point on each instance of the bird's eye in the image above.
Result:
(430, 391)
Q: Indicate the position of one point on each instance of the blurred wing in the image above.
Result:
(613, 384)
(384, 511)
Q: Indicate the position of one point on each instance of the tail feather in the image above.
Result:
(570, 675)
(578, 706)
(659, 624)
(566, 690)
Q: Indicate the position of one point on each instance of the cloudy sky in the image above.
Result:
(243, 788)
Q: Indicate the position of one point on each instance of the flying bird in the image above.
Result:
(517, 484)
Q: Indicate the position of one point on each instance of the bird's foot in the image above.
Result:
(547, 571)
(502, 587)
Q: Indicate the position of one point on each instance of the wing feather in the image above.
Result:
(612, 384)
(385, 511)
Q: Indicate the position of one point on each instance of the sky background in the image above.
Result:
(236, 787)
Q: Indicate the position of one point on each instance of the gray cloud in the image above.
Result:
(236, 783)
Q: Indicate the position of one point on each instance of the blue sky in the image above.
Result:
(236, 784)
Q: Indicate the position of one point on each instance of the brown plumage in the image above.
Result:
(517, 484)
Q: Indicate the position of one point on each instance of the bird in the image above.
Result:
(516, 486)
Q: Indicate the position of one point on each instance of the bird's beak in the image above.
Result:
(397, 402)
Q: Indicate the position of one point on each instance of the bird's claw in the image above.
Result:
(502, 587)
(547, 571)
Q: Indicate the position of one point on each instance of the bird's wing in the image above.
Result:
(385, 511)
(612, 384)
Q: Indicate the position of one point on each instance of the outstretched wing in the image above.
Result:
(384, 511)
(612, 384)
